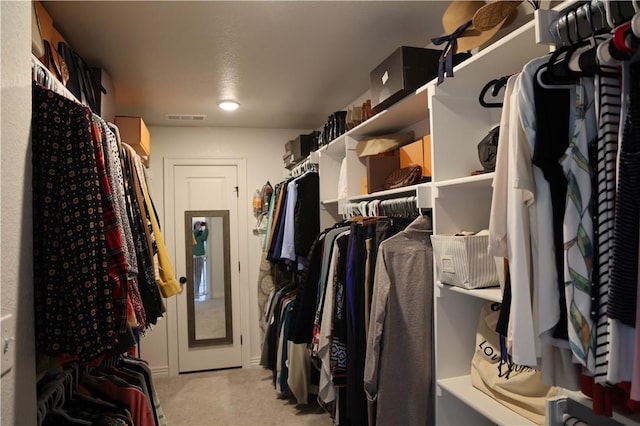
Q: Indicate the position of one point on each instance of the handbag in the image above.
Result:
(404, 177)
(517, 387)
(488, 150)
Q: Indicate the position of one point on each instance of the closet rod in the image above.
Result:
(302, 167)
(404, 207)
(41, 75)
(587, 19)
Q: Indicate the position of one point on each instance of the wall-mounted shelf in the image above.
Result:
(477, 181)
(422, 191)
(493, 294)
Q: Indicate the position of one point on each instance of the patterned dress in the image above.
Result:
(74, 306)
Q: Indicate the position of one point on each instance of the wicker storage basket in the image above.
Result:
(464, 261)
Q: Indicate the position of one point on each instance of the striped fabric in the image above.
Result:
(624, 268)
(608, 94)
(464, 261)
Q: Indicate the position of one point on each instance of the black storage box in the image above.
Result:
(105, 93)
(401, 73)
(299, 148)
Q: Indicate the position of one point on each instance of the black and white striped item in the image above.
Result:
(608, 96)
(624, 267)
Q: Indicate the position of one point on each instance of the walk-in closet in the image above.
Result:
(319, 213)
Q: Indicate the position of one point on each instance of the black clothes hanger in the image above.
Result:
(587, 60)
(557, 70)
(495, 86)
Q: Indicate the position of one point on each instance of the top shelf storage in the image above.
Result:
(450, 113)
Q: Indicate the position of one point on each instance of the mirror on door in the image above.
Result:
(209, 277)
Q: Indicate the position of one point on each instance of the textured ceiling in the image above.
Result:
(289, 64)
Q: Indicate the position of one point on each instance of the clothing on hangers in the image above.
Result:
(95, 284)
(578, 180)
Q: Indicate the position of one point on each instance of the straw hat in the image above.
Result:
(487, 19)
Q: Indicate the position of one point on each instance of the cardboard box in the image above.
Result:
(418, 152)
(105, 102)
(134, 132)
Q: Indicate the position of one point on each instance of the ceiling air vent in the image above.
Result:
(185, 117)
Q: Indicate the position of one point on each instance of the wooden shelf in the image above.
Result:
(483, 66)
(335, 148)
(493, 294)
(477, 181)
(461, 388)
(421, 190)
(404, 113)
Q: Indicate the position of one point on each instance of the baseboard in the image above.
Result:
(160, 371)
(254, 362)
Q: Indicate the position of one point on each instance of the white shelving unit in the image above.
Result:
(456, 121)
(451, 114)
(463, 202)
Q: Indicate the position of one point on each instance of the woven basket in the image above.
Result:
(464, 261)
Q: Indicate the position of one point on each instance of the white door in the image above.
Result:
(198, 188)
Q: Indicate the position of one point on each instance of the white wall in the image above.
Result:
(263, 150)
(16, 277)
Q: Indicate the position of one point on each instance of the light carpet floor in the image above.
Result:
(235, 397)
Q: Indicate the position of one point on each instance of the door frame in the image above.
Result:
(169, 165)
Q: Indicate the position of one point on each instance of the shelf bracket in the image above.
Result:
(544, 19)
(556, 408)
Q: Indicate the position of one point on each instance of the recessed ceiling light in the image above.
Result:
(228, 105)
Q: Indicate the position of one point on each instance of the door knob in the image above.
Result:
(183, 281)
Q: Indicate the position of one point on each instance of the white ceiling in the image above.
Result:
(289, 63)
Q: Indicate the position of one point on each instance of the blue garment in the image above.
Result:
(288, 250)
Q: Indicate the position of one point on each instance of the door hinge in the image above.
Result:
(241, 339)
(238, 266)
(235, 188)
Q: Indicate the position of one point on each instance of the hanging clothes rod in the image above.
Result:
(403, 207)
(41, 75)
(579, 23)
(303, 167)
(54, 392)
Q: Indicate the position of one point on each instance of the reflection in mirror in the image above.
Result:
(209, 286)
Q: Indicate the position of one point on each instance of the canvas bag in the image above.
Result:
(519, 388)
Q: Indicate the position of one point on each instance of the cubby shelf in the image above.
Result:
(481, 180)
(461, 388)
